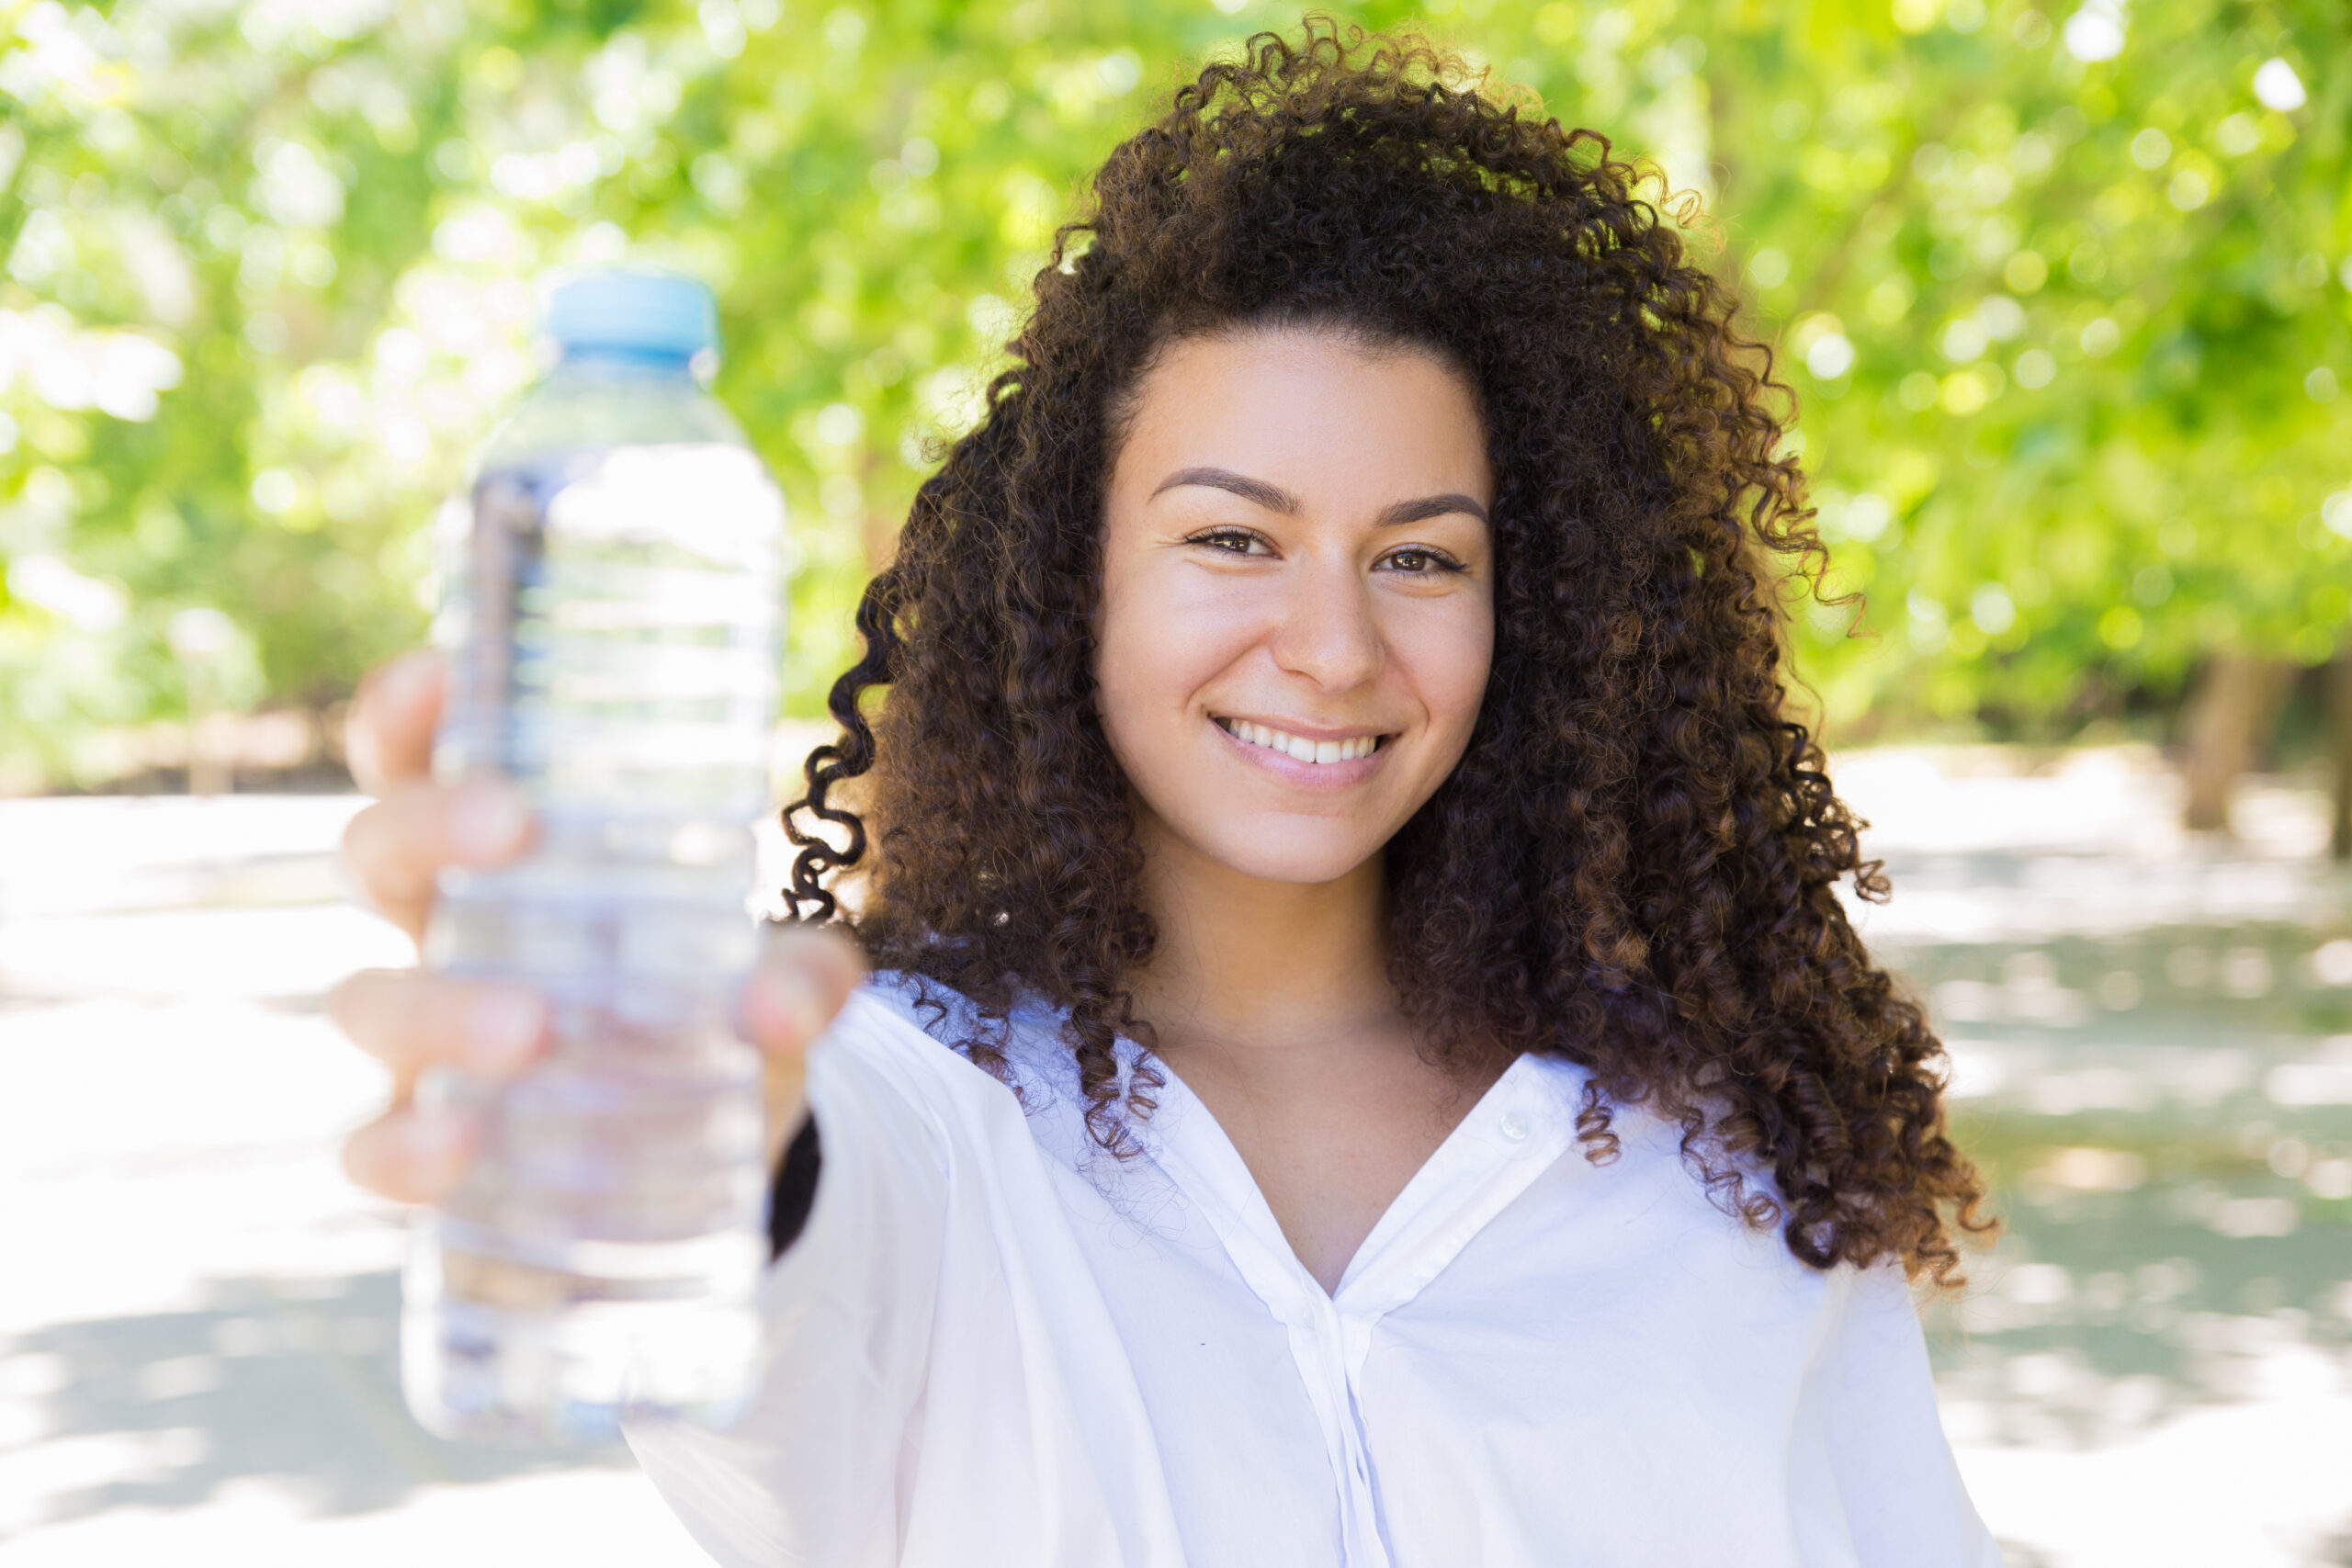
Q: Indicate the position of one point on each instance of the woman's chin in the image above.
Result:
(1281, 851)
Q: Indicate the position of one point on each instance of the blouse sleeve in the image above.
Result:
(1897, 1488)
(920, 1402)
(809, 1473)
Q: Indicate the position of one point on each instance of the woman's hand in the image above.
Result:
(413, 1019)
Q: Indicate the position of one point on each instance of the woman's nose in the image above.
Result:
(1327, 633)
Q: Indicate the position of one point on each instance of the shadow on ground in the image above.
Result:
(292, 1382)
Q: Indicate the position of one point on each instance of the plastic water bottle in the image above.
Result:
(612, 603)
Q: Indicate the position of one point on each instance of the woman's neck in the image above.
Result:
(1242, 961)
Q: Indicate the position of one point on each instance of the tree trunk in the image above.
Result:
(2339, 748)
(2229, 715)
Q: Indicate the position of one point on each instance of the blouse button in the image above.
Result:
(1514, 1127)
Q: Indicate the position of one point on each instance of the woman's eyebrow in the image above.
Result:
(1429, 506)
(1273, 498)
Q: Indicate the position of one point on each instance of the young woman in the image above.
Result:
(1367, 1064)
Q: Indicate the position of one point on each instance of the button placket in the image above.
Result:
(1323, 1345)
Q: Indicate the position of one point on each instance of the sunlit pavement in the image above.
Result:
(2154, 1051)
(197, 1310)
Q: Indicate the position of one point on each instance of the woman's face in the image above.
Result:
(1297, 609)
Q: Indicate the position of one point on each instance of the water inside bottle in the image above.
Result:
(614, 617)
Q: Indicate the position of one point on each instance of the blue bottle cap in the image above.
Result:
(664, 313)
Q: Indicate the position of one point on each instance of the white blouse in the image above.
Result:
(994, 1344)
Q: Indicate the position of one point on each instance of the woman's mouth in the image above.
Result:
(1300, 748)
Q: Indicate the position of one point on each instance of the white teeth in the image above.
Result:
(1323, 753)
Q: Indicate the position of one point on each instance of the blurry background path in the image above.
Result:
(2153, 1037)
(196, 1310)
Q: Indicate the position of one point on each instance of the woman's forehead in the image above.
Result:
(1301, 408)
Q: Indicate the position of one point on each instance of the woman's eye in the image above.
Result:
(1418, 563)
(1230, 540)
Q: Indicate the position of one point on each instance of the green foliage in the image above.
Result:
(2069, 334)
(2072, 335)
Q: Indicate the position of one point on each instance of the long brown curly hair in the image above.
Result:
(1633, 866)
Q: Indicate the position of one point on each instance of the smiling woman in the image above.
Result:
(1323, 758)
(1370, 1068)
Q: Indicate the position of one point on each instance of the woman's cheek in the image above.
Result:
(1175, 643)
(1152, 647)
(1450, 654)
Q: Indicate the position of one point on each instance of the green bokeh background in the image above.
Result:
(2065, 295)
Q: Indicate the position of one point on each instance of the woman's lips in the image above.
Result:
(1264, 747)
(1303, 743)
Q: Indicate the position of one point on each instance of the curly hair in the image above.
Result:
(1633, 867)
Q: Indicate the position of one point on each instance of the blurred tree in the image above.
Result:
(2068, 298)
(2064, 298)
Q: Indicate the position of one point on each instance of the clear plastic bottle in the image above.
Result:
(612, 603)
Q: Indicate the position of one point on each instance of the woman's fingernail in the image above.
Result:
(503, 1030)
(486, 821)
